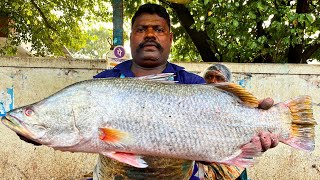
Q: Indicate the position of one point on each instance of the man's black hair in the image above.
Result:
(152, 9)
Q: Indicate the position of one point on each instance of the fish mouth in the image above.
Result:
(16, 125)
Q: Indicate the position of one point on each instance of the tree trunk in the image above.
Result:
(4, 22)
(309, 51)
(295, 52)
(263, 58)
(199, 38)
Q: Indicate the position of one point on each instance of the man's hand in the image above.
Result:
(266, 103)
(265, 140)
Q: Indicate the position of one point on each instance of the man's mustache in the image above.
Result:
(148, 42)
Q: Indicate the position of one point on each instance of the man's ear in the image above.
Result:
(171, 38)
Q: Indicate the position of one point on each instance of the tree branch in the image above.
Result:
(309, 51)
(199, 38)
(47, 24)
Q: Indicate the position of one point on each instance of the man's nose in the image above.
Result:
(150, 33)
(214, 79)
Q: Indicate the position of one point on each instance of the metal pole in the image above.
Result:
(117, 18)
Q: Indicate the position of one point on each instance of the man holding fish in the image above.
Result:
(171, 124)
(150, 42)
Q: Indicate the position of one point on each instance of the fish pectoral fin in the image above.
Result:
(246, 97)
(115, 137)
(131, 159)
(244, 157)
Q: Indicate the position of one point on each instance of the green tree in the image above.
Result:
(51, 26)
(217, 30)
(252, 31)
(97, 45)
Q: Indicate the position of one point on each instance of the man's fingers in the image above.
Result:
(266, 103)
(265, 140)
(257, 142)
(274, 140)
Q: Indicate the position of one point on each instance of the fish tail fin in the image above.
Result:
(303, 124)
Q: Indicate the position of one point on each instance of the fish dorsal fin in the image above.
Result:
(163, 77)
(246, 97)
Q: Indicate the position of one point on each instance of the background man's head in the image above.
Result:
(150, 38)
(217, 73)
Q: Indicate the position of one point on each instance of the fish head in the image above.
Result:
(49, 122)
(25, 122)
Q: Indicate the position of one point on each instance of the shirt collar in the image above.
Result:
(125, 68)
(172, 68)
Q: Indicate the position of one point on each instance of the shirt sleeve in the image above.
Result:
(107, 73)
(184, 77)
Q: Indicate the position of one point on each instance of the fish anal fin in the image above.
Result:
(244, 157)
(246, 97)
(115, 137)
(128, 158)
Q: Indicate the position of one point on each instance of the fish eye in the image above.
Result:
(28, 112)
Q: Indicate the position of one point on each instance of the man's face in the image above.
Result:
(150, 41)
(214, 77)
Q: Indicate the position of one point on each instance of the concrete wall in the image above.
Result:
(31, 79)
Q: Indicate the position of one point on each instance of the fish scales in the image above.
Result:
(195, 122)
(163, 107)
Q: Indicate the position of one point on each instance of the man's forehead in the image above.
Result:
(150, 20)
(215, 73)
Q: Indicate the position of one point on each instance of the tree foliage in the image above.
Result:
(208, 30)
(97, 45)
(255, 31)
(51, 25)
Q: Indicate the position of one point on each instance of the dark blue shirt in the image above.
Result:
(181, 76)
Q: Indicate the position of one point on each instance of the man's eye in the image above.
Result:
(208, 77)
(221, 79)
(140, 30)
(159, 30)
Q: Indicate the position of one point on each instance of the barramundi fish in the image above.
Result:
(126, 119)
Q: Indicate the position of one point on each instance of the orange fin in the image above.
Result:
(246, 97)
(115, 137)
(244, 157)
(131, 159)
(303, 124)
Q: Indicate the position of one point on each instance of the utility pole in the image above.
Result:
(117, 19)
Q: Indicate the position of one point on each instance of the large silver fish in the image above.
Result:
(125, 118)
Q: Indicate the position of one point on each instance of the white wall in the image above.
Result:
(35, 78)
